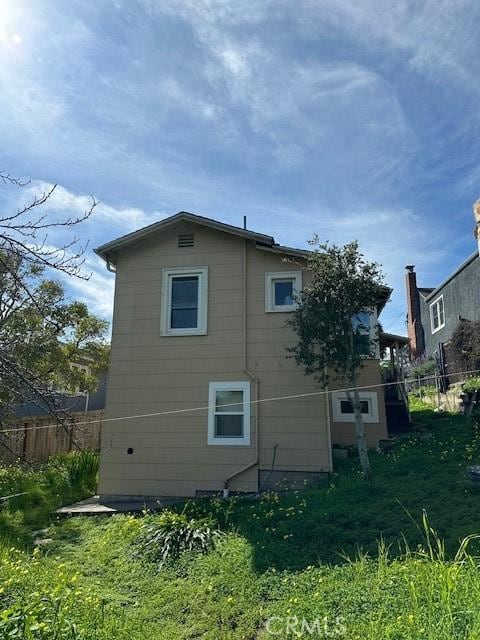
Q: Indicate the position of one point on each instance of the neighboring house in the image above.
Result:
(198, 350)
(34, 435)
(433, 314)
(80, 401)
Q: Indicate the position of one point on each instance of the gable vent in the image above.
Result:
(185, 240)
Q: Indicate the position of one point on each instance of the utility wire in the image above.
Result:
(233, 404)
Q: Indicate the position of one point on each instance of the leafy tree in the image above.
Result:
(42, 335)
(43, 338)
(332, 322)
(463, 351)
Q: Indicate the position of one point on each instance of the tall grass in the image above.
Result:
(97, 590)
(281, 556)
(37, 491)
(82, 468)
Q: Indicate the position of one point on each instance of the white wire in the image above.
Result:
(233, 404)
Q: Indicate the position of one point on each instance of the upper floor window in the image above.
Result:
(184, 301)
(437, 314)
(362, 324)
(366, 327)
(281, 289)
(229, 413)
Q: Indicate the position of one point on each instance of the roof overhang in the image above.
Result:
(464, 264)
(384, 297)
(392, 340)
(285, 251)
(262, 242)
(107, 251)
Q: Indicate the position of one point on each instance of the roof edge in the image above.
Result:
(278, 248)
(455, 273)
(130, 238)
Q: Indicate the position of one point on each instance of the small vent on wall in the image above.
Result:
(185, 240)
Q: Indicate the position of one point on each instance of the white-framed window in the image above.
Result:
(437, 314)
(184, 301)
(343, 410)
(229, 413)
(281, 289)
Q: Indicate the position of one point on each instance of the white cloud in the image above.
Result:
(106, 223)
(292, 104)
(119, 220)
(97, 291)
(266, 107)
(392, 237)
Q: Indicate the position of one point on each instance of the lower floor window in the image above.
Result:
(346, 406)
(229, 413)
(343, 410)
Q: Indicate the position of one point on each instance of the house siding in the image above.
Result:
(461, 297)
(151, 373)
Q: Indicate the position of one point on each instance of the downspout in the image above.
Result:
(329, 428)
(251, 375)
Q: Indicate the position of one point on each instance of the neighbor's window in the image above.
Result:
(184, 301)
(281, 289)
(229, 413)
(437, 314)
(343, 410)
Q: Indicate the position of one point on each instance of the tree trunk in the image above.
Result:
(354, 399)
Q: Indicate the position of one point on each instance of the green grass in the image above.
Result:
(39, 490)
(282, 558)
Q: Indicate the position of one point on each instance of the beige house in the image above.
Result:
(199, 360)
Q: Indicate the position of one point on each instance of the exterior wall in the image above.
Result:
(343, 433)
(151, 373)
(461, 297)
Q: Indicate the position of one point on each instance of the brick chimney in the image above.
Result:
(416, 338)
(476, 215)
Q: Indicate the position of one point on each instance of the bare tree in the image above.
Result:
(41, 333)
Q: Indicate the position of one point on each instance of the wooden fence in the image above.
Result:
(37, 444)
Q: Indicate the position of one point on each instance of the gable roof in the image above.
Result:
(105, 250)
(459, 269)
(263, 242)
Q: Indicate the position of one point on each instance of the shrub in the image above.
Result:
(471, 385)
(82, 468)
(167, 536)
(464, 347)
(40, 489)
(423, 370)
(40, 619)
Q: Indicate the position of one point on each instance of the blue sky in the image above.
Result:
(344, 118)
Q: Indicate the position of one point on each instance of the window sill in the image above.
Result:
(438, 328)
(185, 332)
(228, 442)
(281, 310)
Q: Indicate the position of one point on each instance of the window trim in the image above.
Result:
(270, 277)
(440, 326)
(213, 387)
(167, 276)
(371, 417)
